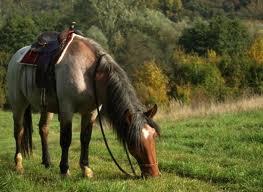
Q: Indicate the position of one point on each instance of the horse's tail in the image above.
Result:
(28, 130)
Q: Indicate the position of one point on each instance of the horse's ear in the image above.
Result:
(151, 112)
(128, 116)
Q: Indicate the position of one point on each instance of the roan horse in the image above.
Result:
(74, 74)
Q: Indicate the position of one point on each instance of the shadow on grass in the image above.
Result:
(203, 175)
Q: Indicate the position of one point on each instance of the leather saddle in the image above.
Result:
(45, 52)
(46, 42)
(48, 48)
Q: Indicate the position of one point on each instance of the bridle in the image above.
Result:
(102, 130)
(149, 165)
(103, 133)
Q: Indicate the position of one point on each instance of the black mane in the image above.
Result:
(120, 97)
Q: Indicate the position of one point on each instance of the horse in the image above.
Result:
(74, 74)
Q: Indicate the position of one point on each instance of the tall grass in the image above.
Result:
(176, 110)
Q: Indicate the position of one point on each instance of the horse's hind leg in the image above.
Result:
(43, 131)
(18, 115)
(85, 136)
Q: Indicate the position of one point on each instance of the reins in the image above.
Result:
(102, 130)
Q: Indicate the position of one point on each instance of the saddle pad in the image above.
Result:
(30, 58)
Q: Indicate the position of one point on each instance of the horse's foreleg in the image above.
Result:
(85, 136)
(65, 140)
(18, 134)
(43, 131)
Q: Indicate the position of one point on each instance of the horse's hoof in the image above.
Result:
(87, 172)
(19, 170)
(65, 175)
(19, 166)
(46, 164)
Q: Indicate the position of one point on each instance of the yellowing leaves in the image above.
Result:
(256, 49)
(151, 83)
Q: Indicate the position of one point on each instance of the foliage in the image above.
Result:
(4, 59)
(227, 36)
(254, 77)
(199, 73)
(256, 49)
(139, 47)
(96, 34)
(196, 38)
(135, 32)
(221, 34)
(17, 32)
(2, 87)
(151, 83)
(171, 8)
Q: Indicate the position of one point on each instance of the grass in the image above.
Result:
(176, 110)
(217, 152)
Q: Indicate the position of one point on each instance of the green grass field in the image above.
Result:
(214, 153)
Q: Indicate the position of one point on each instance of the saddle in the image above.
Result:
(44, 54)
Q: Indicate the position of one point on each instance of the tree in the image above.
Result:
(221, 34)
(17, 32)
(196, 38)
(227, 36)
(96, 34)
(171, 8)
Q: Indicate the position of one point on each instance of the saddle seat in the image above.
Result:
(44, 54)
(46, 42)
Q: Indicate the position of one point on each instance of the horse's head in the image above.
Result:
(145, 153)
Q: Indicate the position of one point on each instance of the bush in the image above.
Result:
(151, 83)
(196, 38)
(254, 77)
(183, 93)
(256, 49)
(197, 73)
(234, 69)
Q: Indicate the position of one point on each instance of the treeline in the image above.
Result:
(171, 49)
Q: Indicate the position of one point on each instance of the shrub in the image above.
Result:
(183, 93)
(256, 49)
(196, 38)
(254, 77)
(151, 83)
(193, 71)
(234, 69)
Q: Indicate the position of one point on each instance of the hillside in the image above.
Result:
(249, 9)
